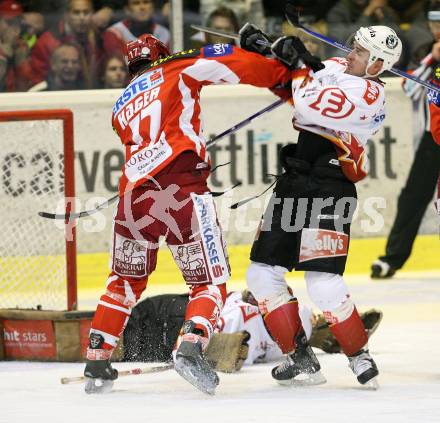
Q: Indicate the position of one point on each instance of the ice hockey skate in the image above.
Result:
(99, 376)
(365, 369)
(301, 367)
(190, 362)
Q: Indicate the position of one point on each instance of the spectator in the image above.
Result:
(65, 70)
(115, 73)
(51, 9)
(346, 16)
(223, 19)
(75, 28)
(317, 9)
(13, 50)
(33, 25)
(409, 10)
(139, 21)
(246, 10)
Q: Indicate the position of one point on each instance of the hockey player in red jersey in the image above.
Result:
(306, 225)
(163, 192)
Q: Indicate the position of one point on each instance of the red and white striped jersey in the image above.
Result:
(158, 116)
(343, 108)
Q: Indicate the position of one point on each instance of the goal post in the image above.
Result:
(37, 259)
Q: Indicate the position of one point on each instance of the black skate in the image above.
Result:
(382, 270)
(191, 364)
(301, 367)
(365, 369)
(99, 373)
(99, 376)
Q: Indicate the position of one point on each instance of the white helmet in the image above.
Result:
(382, 42)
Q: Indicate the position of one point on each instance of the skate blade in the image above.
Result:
(98, 386)
(372, 384)
(309, 379)
(196, 378)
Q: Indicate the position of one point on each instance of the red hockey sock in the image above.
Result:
(110, 319)
(205, 305)
(113, 311)
(350, 334)
(283, 324)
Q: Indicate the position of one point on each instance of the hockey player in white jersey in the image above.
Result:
(306, 225)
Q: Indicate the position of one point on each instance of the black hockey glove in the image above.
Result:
(293, 53)
(255, 40)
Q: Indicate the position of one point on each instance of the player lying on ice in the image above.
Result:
(241, 336)
(163, 192)
(335, 110)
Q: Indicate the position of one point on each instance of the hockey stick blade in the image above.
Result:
(72, 216)
(138, 371)
(292, 14)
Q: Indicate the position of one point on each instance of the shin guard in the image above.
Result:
(283, 324)
(350, 334)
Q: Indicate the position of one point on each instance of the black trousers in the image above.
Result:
(297, 235)
(413, 201)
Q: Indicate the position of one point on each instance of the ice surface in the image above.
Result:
(405, 347)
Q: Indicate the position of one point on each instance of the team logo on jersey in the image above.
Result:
(333, 103)
(216, 50)
(391, 41)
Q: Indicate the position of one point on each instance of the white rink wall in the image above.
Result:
(252, 151)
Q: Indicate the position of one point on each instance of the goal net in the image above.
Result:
(37, 256)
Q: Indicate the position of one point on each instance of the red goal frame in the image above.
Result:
(66, 116)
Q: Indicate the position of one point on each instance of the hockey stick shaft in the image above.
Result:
(326, 40)
(343, 47)
(212, 141)
(138, 371)
(293, 16)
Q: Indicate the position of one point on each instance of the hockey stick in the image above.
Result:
(70, 216)
(293, 19)
(156, 369)
(293, 15)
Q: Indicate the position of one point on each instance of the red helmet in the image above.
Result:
(145, 49)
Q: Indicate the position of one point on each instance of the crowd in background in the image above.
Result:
(78, 44)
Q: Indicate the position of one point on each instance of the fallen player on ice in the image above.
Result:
(242, 338)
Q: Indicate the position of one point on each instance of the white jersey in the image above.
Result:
(343, 108)
(237, 316)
